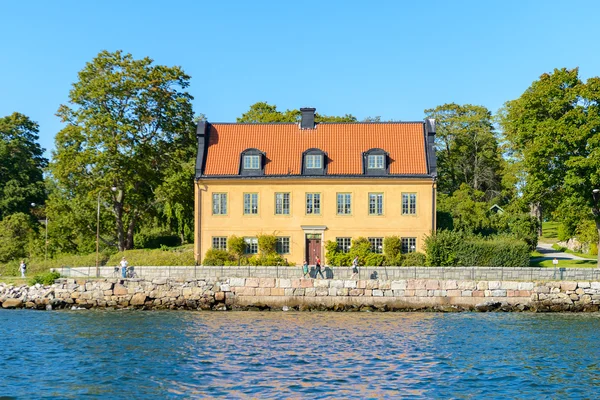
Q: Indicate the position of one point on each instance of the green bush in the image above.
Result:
(414, 259)
(218, 257)
(559, 248)
(392, 250)
(373, 260)
(565, 232)
(268, 260)
(448, 248)
(154, 239)
(47, 278)
(267, 244)
(236, 245)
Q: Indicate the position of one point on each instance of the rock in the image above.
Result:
(138, 299)
(12, 303)
(220, 296)
(488, 306)
(120, 290)
(285, 308)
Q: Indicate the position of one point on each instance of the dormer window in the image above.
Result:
(375, 162)
(252, 162)
(314, 162)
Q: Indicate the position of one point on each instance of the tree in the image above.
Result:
(21, 165)
(554, 127)
(467, 149)
(16, 231)
(262, 112)
(127, 123)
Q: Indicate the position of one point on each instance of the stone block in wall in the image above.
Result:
(237, 282)
(299, 291)
(310, 291)
(584, 285)
(252, 282)
(449, 285)
(478, 293)
(454, 293)
(377, 293)
(225, 287)
(263, 291)
(498, 293)
(284, 283)
(385, 285)
(289, 292)
(398, 285)
(372, 284)
(509, 285)
(398, 292)
(343, 291)
(525, 286)
(245, 291)
(297, 283)
(482, 285)
(322, 291)
(432, 284)
(120, 290)
(541, 289)
(574, 297)
(467, 285)
(493, 285)
(306, 283)
(336, 283)
(466, 293)
(361, 284)
(333, 291)
(266, 282)
(356, 292)
(350, 284)
(278, 291)
(595, 285)
(388, 293)
(421, 292)
(321, 283)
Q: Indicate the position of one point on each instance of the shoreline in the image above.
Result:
(306, 294)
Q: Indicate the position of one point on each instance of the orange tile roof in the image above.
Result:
(344, 144)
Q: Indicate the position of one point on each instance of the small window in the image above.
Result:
(282, 204)
(219, 242)
(409, 204)
(313, 203)
(219, 203)
(252, 162)
(376, 161)
(376, 244)
(251, 245)
(344, 244)
(375, 203)
(283, 245)
(314, 161)
(344, 206)
(409, 244)
(250, 203)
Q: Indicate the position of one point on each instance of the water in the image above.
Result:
(155, 355)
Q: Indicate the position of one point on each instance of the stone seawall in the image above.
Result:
(307, 294)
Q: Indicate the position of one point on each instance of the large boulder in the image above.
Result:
(12, 303)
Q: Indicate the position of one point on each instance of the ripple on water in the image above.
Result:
(124, 354)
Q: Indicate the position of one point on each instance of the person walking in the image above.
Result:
(124, 264)
(305, 270)
(354, 268)
(318, 268)
(23, 268)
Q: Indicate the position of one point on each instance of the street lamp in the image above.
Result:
(98, 233)
(596, 197)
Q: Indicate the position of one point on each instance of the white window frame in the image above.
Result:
(376, 161)
(409, 204)
(313, 161)
(252, 162)
(344, 203)
(375, 203)
(282, 203)
(250, 203)
(313, 203)
(219, 206)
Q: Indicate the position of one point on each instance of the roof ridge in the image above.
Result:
(319, 123)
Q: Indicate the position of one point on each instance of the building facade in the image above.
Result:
(309, 183)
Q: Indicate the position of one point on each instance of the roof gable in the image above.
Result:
(343, 143)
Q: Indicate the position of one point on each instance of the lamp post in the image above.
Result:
(98, 233)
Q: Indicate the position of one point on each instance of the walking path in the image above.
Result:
(550, 254)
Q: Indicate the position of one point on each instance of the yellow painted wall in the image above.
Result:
(359, 223)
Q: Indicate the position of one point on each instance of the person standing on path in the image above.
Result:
(305, 270)
(318, 268)
(124, 264)
(23, 268)
(354, 267)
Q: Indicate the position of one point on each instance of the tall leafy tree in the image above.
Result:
(467, 149)
(127, 121)
(554, 127)
(21, 165)
(262, 112)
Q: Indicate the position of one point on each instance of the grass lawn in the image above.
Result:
(549, 232)
(566, 264)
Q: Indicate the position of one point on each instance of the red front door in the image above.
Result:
(313, 248)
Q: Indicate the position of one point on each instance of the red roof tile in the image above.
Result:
(343, 143)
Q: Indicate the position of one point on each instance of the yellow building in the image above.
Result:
(309, 183)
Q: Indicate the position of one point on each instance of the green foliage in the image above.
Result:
(267, 245)
(218, 257)
(47, 278)
(521, 226)
(467, 149)
(361, 247)
(15, 233)
(565, 231)
(447, 248)
(153, 238)
(559, 248)
(129, 125)
(414, 259)
(267, 260)
(236, 245)
(392, 250)
(146, 257)
(262, 112)
(372, 260)
(468, 209)
(21, 165)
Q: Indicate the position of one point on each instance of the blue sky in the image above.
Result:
(387, 58)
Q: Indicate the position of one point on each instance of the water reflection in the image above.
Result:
(125, 354)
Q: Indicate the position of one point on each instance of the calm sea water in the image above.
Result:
(155, 355)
